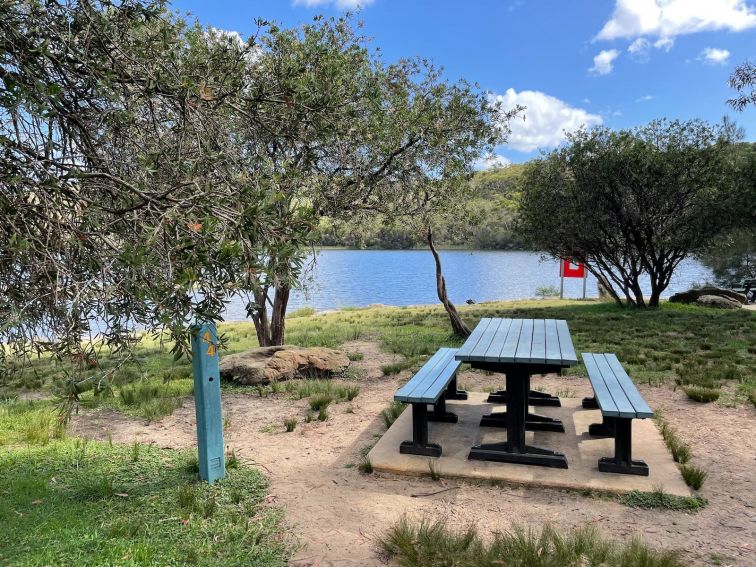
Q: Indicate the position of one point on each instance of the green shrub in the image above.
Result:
(701, 393)
(323, 413)
(290, 424)
(365, 466)
(355, 356)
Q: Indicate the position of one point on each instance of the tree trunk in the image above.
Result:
(458, 325)
(259, 313)
(278, 321)
(271, 331)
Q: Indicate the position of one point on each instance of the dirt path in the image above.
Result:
(336, 513)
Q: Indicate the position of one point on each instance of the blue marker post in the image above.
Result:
(207, 402)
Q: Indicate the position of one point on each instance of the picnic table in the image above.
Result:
(519, 348)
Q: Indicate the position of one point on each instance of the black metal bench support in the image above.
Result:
(419, 444)
(440, 412)
(452, 393)
(623, 443)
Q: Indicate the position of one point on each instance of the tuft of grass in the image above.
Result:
(392, 412)
(351, 392)
(309, 416)
(232, 461)
(694, 476)
(427, 543)
(701, 393)
(680, 450)
(355, 355)
(435, 474)
(135, 446)
(660, 499)
(323, 413)
(290, 423)
(319, 402)
(365, 466)
(396, 367)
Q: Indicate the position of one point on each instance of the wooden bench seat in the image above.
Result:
(620, 402)
(433, 384)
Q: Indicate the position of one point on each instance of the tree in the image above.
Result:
(743, 80)
(632, 203)
(395, 140)
(118, 191)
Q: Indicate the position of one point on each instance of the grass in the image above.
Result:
(427, 543)
(680, 450)
(435, 474)
(27, 422)
(75, 503)
(694, 476)
(320, 401)
(658, 499)
(318, 388)
(392, 412)
(702, 394)
(290, 424)
(689, 345)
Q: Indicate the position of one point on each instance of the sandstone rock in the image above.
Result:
(718, 301)
(693, 295)
(269, 364)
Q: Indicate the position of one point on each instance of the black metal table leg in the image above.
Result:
(515, 450)
(533, 422)
(623, 462)
(535, 398)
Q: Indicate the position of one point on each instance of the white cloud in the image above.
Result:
(545, 121)
(639, 49)
(587, 101)
(669, 18)
(644, 98)
(343, 4)
(492, 160)
(603, 62)
(715, 56)
(664, 43)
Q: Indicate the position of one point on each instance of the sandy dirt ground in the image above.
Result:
(336, 514)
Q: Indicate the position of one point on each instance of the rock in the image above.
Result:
(693, 295)
(269, 364)
(718, 301)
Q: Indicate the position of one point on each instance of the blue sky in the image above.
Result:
(615, 62)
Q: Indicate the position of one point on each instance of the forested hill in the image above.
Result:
(485, 222)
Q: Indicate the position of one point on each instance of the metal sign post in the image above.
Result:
(207, 402)
(570, 268)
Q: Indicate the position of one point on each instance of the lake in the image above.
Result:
(356, 278)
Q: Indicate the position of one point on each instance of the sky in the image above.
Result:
(620, 63)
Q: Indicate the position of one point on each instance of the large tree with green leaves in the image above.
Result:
(119, 187)
(633, 203)
(355, 137)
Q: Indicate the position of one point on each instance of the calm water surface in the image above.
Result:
(356, 278)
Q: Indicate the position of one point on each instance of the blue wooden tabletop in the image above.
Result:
(520, 341)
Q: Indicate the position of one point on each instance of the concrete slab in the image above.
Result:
(581, 450)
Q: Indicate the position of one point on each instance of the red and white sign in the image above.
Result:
(571, 268)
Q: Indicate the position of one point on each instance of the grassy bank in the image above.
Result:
(679, 345)
(72, 502)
